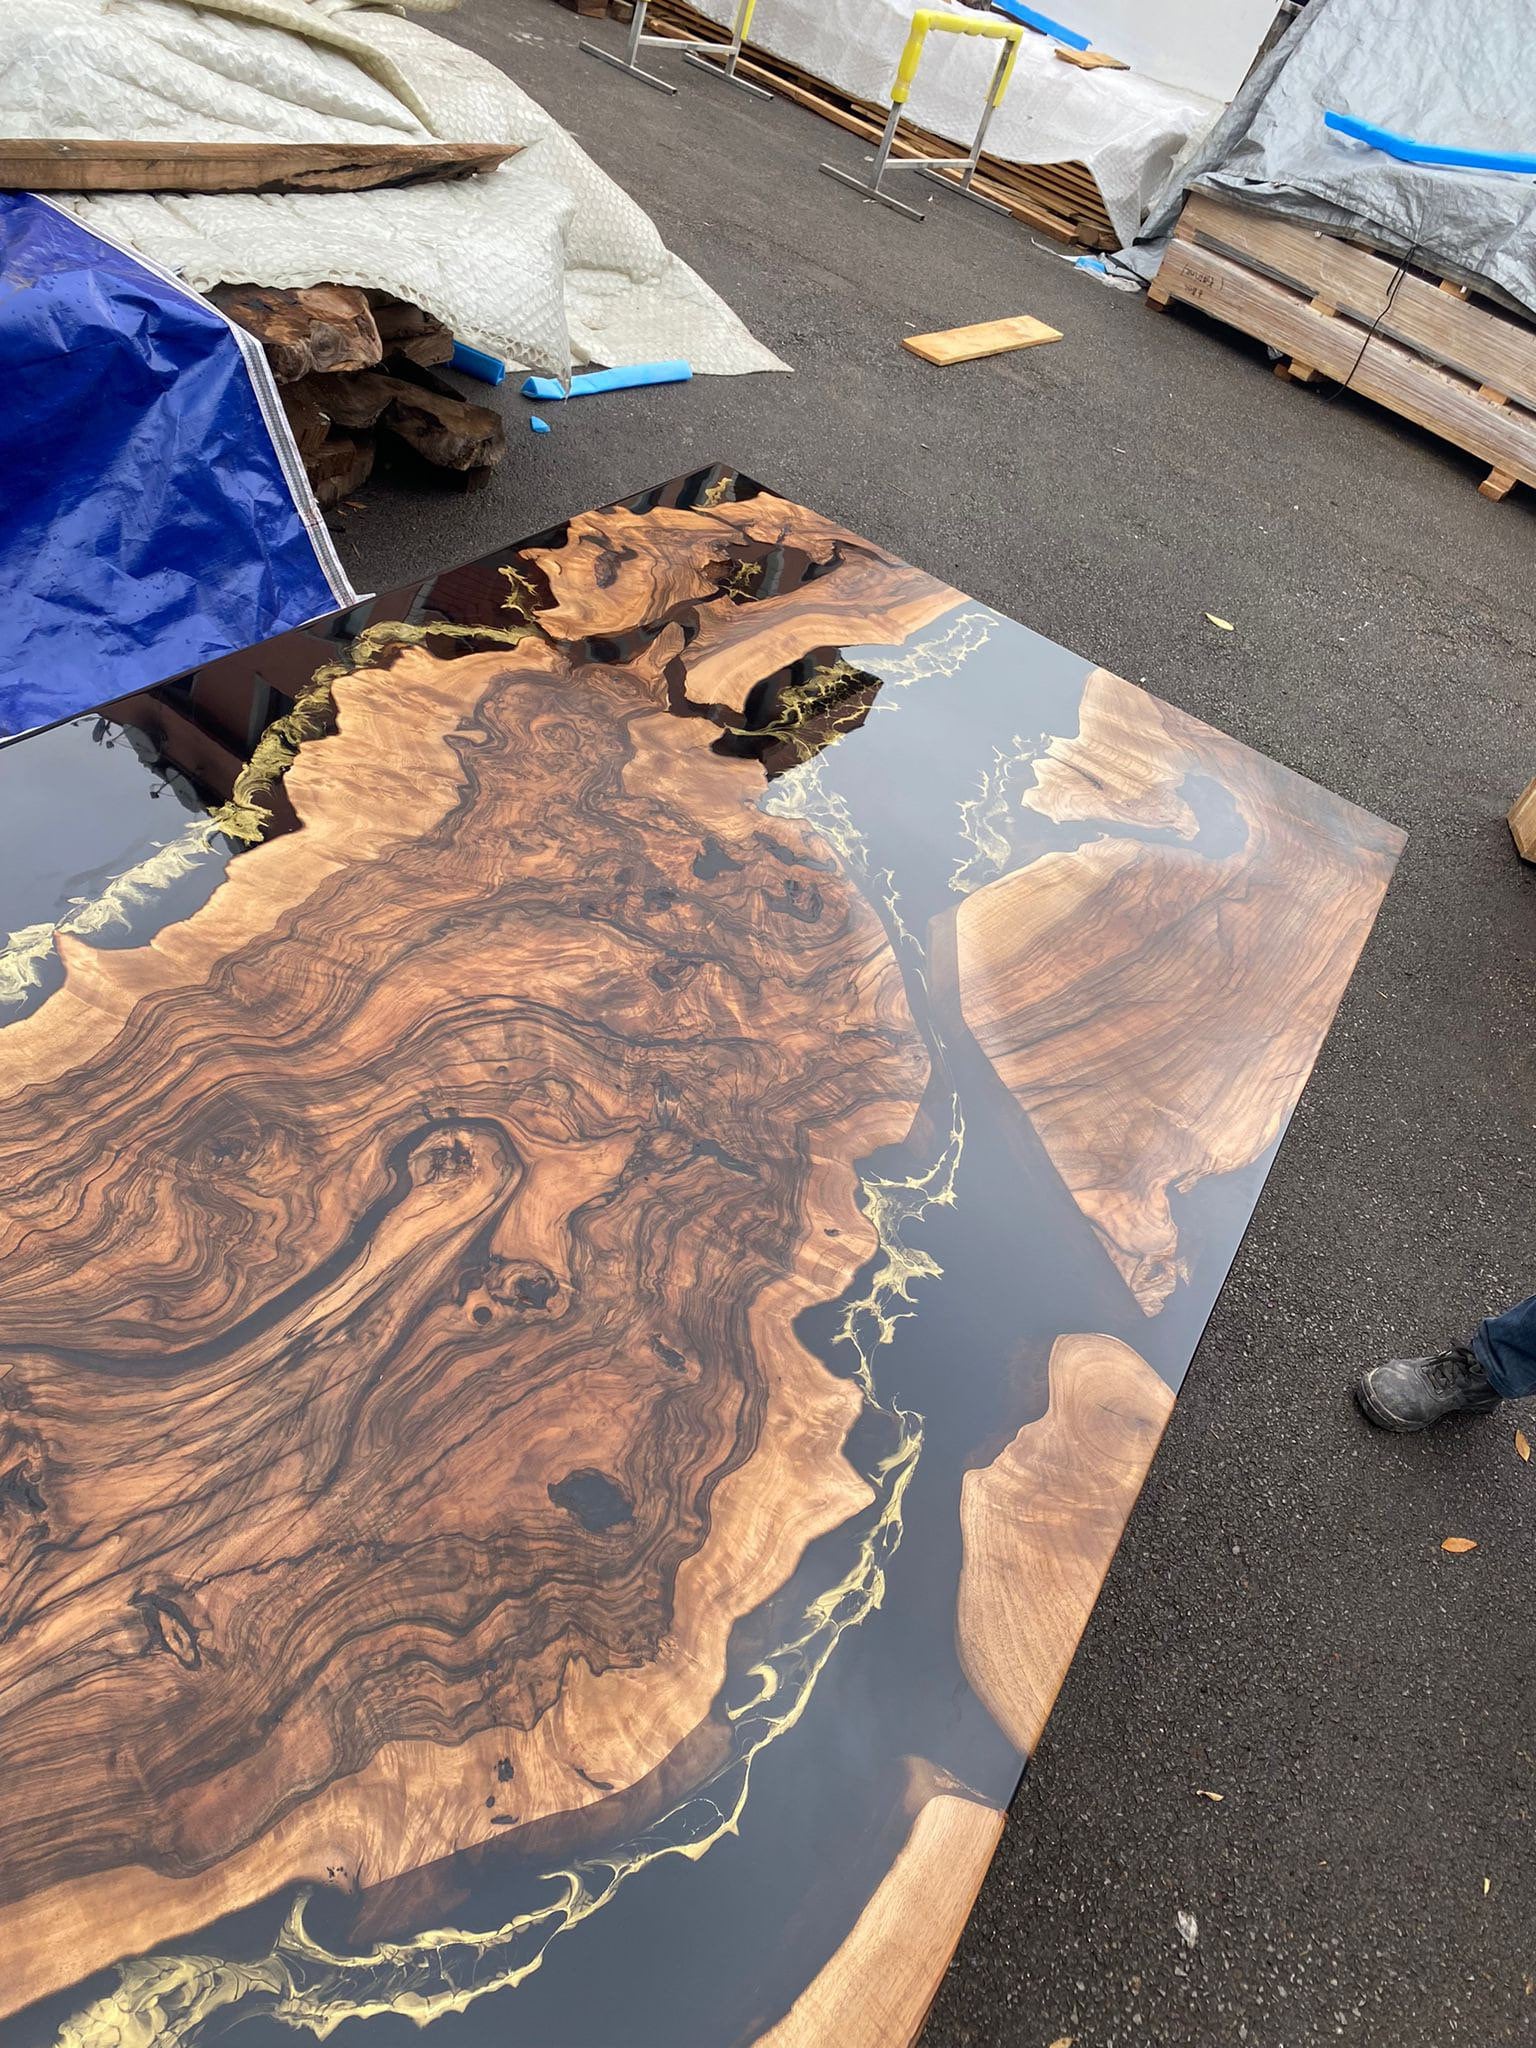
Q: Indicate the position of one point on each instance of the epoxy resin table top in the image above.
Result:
(608, 1166)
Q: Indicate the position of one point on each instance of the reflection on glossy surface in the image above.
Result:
(677, 1084)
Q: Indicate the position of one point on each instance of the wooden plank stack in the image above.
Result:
(1417, 344)
(1061, 200)
(355, 369)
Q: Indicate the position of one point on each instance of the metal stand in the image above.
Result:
(706, 56)
(931, 167)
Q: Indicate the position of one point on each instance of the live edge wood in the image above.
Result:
(879, 1985)
(1201, 922)
(446, 1429)
(434, 1276)
(1041, 1523)
(59, 164)
(306, 329)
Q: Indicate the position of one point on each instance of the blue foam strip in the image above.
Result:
(609, 380)
(1033, 18)
(1430, 154)
(477, 362)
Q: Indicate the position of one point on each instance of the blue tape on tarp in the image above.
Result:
(1033, 18)
(148, 520)
(1433, 155)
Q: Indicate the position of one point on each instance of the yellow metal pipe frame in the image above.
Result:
(925, 22)
(706, 55)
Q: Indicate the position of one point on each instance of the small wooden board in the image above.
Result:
(1092, 60)
(1522, 822)
(57, 164)
(986, 338)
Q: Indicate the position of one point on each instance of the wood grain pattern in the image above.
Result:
(1478, 340)
(59, 164)
(1129, 990)
(984, 338)
(428, 1231)
(317, 328)
(875, 1991)
(643, 565)
(1041, 1523)
(1503, 436)
(516, 1283)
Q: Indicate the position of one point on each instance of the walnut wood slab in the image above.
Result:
(1041, 1523)
(550, 1463)
(64, 164)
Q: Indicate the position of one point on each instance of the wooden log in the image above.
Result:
(57, 164)
(433, 345)
(447, 431)
(316, 327)
(410, 330)
(337, 468)
(352, 402)
(309, 422)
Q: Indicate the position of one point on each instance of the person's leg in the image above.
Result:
(1505, 1347)
(1468, 1379)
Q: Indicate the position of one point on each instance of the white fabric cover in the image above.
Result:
(1126, 128)
(546, 262)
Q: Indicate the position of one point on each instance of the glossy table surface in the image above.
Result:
(608, 1167)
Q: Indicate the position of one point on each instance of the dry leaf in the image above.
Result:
(1189, 1927)
(1458, 1546)
(1215, 1797)
(1062, 2041)
(1226, 625)
(1523, 1445)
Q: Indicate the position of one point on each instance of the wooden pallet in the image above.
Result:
(1417, 344)
(1061, 200)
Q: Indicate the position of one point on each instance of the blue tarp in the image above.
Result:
(152, 513)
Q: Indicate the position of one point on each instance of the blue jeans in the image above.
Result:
(1505, 1347)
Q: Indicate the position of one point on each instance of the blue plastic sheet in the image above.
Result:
(150, 516)
(1435, 154)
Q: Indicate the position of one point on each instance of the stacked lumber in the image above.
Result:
(1416, 343)
(1061, 200)
(355, 372)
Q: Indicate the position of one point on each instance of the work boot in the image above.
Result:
(1412, 1393)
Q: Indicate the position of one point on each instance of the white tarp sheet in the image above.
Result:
(1126, 128)
(1457, 72)
(1206, 46)
(545, 262)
